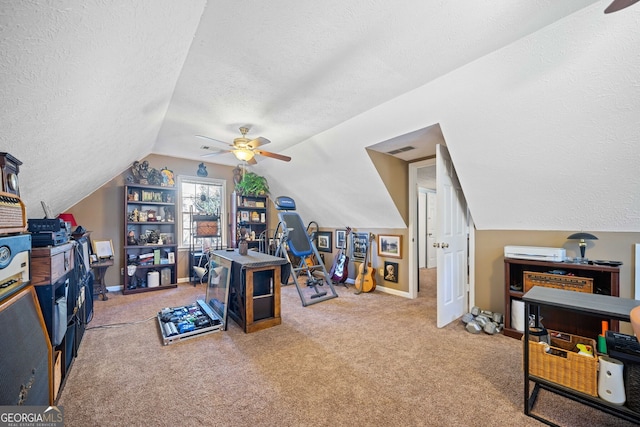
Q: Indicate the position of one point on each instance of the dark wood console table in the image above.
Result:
(254, 291)
(601, 307)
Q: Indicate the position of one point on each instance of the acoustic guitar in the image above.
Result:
(339, 269)
(366, 280)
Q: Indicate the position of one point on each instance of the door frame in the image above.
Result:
(413, 234)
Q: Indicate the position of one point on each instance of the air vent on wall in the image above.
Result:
(401, 150)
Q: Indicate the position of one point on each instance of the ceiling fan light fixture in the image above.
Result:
(243, 154)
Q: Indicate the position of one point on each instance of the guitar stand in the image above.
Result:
(296, 240)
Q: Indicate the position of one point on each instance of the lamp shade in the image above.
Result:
(68, 217)
(582, 236)
(243, 154)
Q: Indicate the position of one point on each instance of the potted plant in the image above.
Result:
(252, 184)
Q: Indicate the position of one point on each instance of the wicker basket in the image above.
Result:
(563, 365)
(558, 281)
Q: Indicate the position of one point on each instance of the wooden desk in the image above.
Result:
(254, 291)
(100, 268)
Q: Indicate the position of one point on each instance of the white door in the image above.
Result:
(451, 241)
(432, 252)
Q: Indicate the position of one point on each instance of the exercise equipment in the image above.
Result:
(297, 246)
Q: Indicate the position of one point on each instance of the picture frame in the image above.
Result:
(341, 239)
(390, 271)
(94, 258)
(390, 245)
(324, 241)
(359, 246)
(103, 249)
(244, 216)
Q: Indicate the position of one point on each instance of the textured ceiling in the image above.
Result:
(519, 90)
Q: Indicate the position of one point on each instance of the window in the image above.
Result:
(202, 196)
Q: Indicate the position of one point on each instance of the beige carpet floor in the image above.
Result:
(370, 360)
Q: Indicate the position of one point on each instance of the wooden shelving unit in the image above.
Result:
(606, 281)
(252, 213)
(149, 215)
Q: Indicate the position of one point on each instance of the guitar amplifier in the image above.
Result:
(12, 214)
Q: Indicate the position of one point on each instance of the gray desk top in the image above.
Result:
(253, 259)
(594, 304)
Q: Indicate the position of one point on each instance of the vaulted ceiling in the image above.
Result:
(537, 100)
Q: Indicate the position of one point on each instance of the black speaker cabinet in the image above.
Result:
(26, 356)
(10, 166)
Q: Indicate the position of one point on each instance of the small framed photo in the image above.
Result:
(389, 245)
(324, 241)
(341, 239)
(244, 216)
(171, 258)
(391, 271)
(103, 249)
(94, 258)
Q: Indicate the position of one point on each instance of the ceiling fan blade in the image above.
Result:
(214, 140)
(216, 153)
(272, 155)
(255, 143)
(617, 5)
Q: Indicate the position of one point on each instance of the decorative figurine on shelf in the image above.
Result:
(153, 237)
(134, 216)
(237, 174)
(243, 246)
(202, 170)
(168, 214)
(131, 238)
(167, 177)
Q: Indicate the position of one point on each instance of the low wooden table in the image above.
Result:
(100, 268)
(254, 291)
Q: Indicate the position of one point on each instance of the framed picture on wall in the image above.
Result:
(324, 241)
(341, 239)
(359, 245)
(391, 271)
(390, 245)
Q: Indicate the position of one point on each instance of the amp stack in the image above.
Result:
(26, 356)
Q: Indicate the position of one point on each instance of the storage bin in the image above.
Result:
(563, 365)
(153, 279)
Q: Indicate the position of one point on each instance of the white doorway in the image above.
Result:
(463, 273)
(427, 255)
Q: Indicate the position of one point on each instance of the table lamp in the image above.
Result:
(68, 217)
(582, 244)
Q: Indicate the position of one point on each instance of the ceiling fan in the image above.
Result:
(244, 148)
(617, 5)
